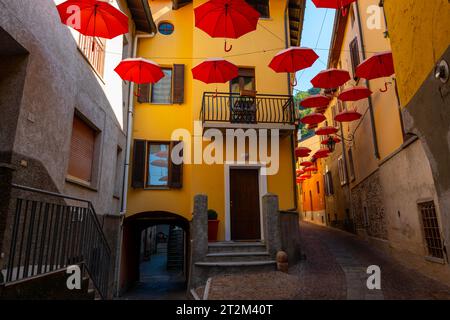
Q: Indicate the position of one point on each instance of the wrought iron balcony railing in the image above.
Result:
(238, 109)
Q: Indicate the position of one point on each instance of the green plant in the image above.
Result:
(212, 214)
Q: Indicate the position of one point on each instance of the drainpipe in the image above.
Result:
(372, 117)
(293, 135)
(129, 134)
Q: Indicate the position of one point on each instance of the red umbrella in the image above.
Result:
(226, 19)
(333, 4)
(325, 131)
(315, 101)
(378, 66)
(348, 116)
(355, 94)
(311, 169)
(305, 177)
(322, 153)
(306, 164)
(301, 152)
(313, 118)
(93, 18)
(139, 70)
(293, 59)
(300, 172)
(300, 180)
(335, 139)
(215, 71)
(330, 79)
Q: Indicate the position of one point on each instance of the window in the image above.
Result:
(262, 6)
(352, 166)
(333, 114)
(354, 54)
(169, 90)
(119, 173)
(311, 203)
(329, 190)
(153, 166)
(166, 28)
(352, 15)
(341, 168)
(431, 230)
(318, 187)
(245, 81)
(93, 49)
(81, 150)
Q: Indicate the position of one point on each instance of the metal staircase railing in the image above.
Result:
(50, 232)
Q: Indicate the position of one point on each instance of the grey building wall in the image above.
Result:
(43, 79)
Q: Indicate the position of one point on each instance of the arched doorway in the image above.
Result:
(155, 251)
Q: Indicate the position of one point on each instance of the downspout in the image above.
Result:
(294, 133)
(372, 117)
(129, 135)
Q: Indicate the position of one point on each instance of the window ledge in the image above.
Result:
(435, 260)
(81, 183)
(156, 188)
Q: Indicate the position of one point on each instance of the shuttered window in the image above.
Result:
(262, 6)
(153, 166)
(354, 54)
(81, 150)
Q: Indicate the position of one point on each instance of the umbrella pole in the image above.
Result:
(95, 21)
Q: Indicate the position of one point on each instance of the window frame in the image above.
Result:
(351, 164)
(429, 251)
(354, 56)
(166, 23)
(148, 186)
(244, 72)
(341, 169)
(171, 88)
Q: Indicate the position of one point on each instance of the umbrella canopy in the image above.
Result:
(335, 139)
(332, 4)
(305, 177)
(355, 94)
(139, 70)
(226, 18)
(301, 152)
(300, 180)
(93, 18)
(378, 66)
(322, 153)
(330, 79)
(348, 116)
(325, 131)
(215, 71)
(293, 59)
(315, 101)
(310, 169)
(299, 172)
(306, 164)
(313, 118)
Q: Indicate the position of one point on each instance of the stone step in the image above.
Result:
(230, 246)
(237, 256)
(231, 264)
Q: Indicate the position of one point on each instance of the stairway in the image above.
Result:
(232, 258)
(175, 249)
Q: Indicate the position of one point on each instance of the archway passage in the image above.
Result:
(155, 251)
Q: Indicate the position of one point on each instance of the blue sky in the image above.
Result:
(312, 38)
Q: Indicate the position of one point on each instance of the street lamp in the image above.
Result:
(331, 144)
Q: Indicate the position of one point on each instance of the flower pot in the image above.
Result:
(213, 228)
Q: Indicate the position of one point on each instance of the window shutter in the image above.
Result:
(178, 83)
(138, 176)
(81, 150)
(176, 171)
(354, 54)
(144, 93)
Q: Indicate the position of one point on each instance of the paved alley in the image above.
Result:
(336, 264)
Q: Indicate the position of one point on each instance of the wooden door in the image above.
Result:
(244, 204)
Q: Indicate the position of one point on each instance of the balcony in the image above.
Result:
(258, 111)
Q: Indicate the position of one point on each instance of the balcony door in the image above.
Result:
(245, 81)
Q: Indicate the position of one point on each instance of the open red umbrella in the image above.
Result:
(299, 172)
(301, 152)
(380, 65)
(315, 101)
(139, 70)
(313, 118)
(310, 169)
(325, 131)
(305, 177)
(93, 18)
(293, 59)
(355, 94)
(322, 153)
(348, 116)
(215, 71)
(330, 79)
(333, 4)
(229, 19)
(306, 164)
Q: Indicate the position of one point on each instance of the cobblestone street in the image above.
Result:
(336, 264)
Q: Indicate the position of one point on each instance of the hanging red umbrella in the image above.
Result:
(139, 70)
(313, 118)
(334, 4)
(306, 177)
(322, 153)
(325, 131)
(93, 18)
(348, 116)
(321, 110)
(301, 152)
(299, 172)
(311, 169)
(300, 180)
(335, 139)
(330, 79)
(355, 94)
(380, 65)
(215, 71)
(306, 164)
(229, 19)
(315, 101)
(293, 59)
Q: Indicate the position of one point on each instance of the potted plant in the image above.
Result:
(213, 225)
